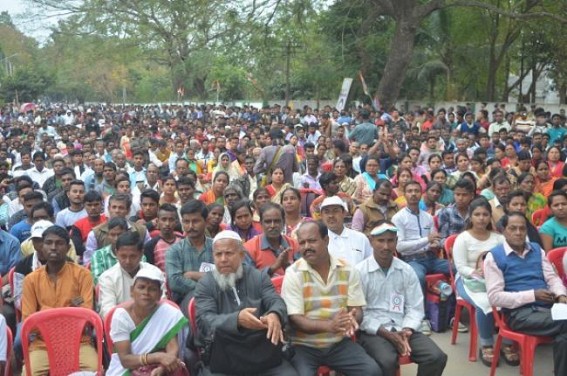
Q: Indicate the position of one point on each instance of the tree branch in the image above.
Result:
(507, 13)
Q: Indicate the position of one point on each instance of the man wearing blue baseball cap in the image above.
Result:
(394, 309)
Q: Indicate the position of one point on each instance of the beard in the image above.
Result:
(228, 281)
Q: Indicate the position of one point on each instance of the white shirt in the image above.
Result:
(114, 286)
(380, 289)
(39, 176)
(351, 246)
(413, 231)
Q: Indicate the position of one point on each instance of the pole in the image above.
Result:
(287, 63)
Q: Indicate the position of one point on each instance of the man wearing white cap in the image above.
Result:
(235, 301)
(394, 309)
(344, 243)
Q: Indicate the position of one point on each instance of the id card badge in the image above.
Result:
(206, 267)
(396, 303)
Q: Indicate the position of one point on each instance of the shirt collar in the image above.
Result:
(373, 264)
(508, 250)
(264, 244)
(342, 235)
(335, 263)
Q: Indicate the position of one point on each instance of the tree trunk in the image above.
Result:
(399, 58)
(563, 93)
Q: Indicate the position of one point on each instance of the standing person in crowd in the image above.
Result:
(277, 155)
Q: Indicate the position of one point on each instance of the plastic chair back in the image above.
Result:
(449, 243)
(9, 347)
(11, 282)
(192, 309)
(62, 330)
(555, 256)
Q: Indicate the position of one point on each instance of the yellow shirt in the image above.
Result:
(40, 292)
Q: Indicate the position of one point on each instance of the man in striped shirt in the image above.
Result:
(324, 300)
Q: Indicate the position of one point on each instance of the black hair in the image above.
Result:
(195, 206)
(77, 182)
(295, 192)
(33, 195)
(93, 196)
(68, 171)
(151, 194)
(110, 165)
(506, 218)
(479, 202)
(559, 184)
(466, 185)
(412, 182)
(555, 194)
(45, 206)
(169, 208)
(269, 206)
(221, 173)
(242, 203)
(327, 178)
(382, 182)
(123, 197)
(129, 238)
(58, 231)
(117, 222)
(184, 180)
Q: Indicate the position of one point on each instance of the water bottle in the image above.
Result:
(445, 289)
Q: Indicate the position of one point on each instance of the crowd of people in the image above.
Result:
(314, 227)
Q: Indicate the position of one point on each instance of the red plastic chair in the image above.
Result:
(277, 282)
(462, 303)
(540, 216)
(555, 256)
(62, 330)
(402, 360)
(9, 347)
(192, 309)
(527, 344)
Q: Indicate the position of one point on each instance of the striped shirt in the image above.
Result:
(305, 293)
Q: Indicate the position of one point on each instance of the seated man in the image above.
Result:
(81, 229)
(186, 261)
(115, 282)
(521, 281)
(105, 257)
(394, 309)
(234, 298)
(377, 208)
(418, 242)
(271, 250)
(324, 298)
(168, 222)
(22, 229)
(349, 245)
(59, 284)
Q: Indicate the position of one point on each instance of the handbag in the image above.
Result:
(243, 353)
(147, 371)
(268, 172)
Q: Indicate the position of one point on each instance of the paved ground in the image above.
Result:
(459, 365)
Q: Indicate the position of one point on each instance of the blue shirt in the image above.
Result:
(10, 254)
(21, 230)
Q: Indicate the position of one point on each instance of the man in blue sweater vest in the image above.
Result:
(521, 281)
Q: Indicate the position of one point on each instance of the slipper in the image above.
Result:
(511, 355)
(486, 355)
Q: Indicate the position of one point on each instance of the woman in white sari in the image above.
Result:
(145, 332)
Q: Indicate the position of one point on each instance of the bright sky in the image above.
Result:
(17, 9)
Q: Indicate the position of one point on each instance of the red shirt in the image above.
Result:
(85, 225)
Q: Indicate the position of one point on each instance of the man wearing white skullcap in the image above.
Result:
(236, 298)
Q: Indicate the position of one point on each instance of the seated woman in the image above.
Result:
(403, 176)
(216, 193)
(440, 176)
(430, 200)
(144, 331)
(214, 220)
(260, 197)
(544, 180)
(241, 213)
(535, 201)
(277, 186)
(366, 182)
(516, 202)
(554, 231)
(468, 251)
(291, 203)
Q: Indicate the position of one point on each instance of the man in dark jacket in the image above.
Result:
(235, 298)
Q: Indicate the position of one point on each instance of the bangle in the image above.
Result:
(142, 360)
(145, 359)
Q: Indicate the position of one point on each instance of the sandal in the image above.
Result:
(511, 356)
(486, 355)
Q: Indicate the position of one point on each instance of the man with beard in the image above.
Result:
(236, 298)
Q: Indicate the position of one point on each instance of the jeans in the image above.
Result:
(484, 322)
(430, 265)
